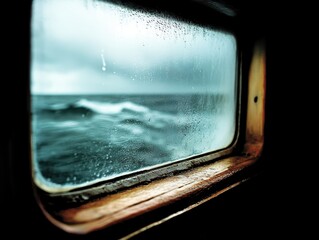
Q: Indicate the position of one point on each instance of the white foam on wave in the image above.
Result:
(67, 124)
(111, 108)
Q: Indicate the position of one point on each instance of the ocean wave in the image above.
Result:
(87, 107)
(111, 108)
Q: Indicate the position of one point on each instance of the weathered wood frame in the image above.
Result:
(200, 183)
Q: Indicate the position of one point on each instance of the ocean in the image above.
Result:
(82, 138)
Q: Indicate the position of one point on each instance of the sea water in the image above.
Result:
(82, 138)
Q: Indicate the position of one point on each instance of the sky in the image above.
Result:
(91, 47)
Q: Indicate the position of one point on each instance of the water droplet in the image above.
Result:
(84, 197)
(103, 61)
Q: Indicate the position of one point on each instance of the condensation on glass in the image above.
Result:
(116, 90)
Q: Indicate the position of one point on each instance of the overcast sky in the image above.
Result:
(90, 47)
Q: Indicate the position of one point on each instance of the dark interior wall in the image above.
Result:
(267, 206)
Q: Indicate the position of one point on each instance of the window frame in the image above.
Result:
(175, 188)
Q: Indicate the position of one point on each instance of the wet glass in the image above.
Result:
(116, 90)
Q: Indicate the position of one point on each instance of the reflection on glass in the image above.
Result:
(116, 90)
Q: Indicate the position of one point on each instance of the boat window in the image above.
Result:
(115, 91)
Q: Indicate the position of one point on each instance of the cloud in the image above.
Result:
(95, 47)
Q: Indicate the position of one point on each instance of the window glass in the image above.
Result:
(116, 90)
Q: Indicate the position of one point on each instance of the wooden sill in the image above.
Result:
(128, 204)
(133, 202)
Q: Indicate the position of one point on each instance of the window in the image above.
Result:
(137, 107)
(116, 91)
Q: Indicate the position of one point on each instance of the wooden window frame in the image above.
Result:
(99, 207)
